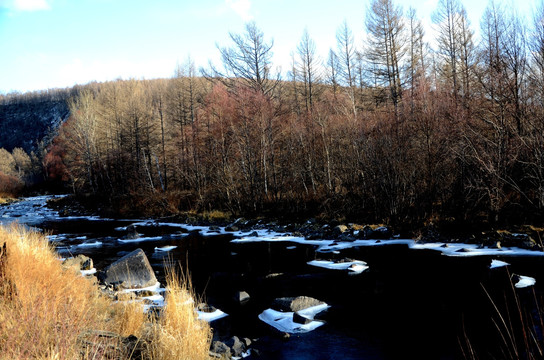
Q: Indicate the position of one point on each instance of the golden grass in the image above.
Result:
(44, 309)
(216, 215)
(179, 334)
(4, 199)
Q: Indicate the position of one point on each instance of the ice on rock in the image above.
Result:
(524, 281)
(88, 272)
(335, 246)
(165, 248)
(211, 316)
(355, 266)
(150, 238)
(90, 244)
(283, 321)
(497, 264)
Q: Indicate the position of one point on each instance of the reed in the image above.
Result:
(178, 333)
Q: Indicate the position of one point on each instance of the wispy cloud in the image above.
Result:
(241, 7)
(25, 5)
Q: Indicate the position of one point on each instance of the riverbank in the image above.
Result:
(481, 234)
(51, 312)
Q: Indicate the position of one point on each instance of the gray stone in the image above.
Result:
(131, 233)
(340, 229)
(241, 297)
(236, 346)
(205, 308)
(247, 342)
(221, 349)
(299, 319)
(131, 271)
(294, 304)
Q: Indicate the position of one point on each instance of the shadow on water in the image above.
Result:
(408, 304)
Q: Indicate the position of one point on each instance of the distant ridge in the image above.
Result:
(25, 124)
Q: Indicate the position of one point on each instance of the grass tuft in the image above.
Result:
(179, 334)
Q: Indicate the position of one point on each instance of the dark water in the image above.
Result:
(415, 304)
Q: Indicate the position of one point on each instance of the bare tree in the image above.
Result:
(386, 45)
(346, 62)
(332, 70)
(249, 60)
(309, 69)
(416, 69)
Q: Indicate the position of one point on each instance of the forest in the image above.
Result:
(399, 130)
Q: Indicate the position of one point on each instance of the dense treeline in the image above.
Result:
(393, 131)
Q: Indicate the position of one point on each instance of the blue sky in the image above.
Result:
(57, 43)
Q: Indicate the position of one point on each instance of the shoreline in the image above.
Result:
(525, 236)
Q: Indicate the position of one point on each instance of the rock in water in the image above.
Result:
(241, 297)
(295, 304)
(221, 349)
(132, 271)
(299, 319)
(131, 233)
(237, 347)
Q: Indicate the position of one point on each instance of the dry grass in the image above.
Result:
(6, 198)
(179, 334)
(216, 215)
(44, 309)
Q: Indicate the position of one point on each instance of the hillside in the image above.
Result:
(24, 124)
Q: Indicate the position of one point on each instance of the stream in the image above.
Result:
(424, 301)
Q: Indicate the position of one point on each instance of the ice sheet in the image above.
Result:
(149, 238)
(525, 281)
(90, 244)
(165, 248)
(355, 266)
(497, 264)
(283, 321)
(449, 249)
(211, 316)
(88, 272)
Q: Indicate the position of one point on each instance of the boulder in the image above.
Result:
(80, 262)
(232, 228)
(132, 271)
(237, 347)
(131, 233)
(221, 349)
(241, 297)
(379, 232)
(339, 229)
(295, 304)
(299, 319)
(205, 308)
